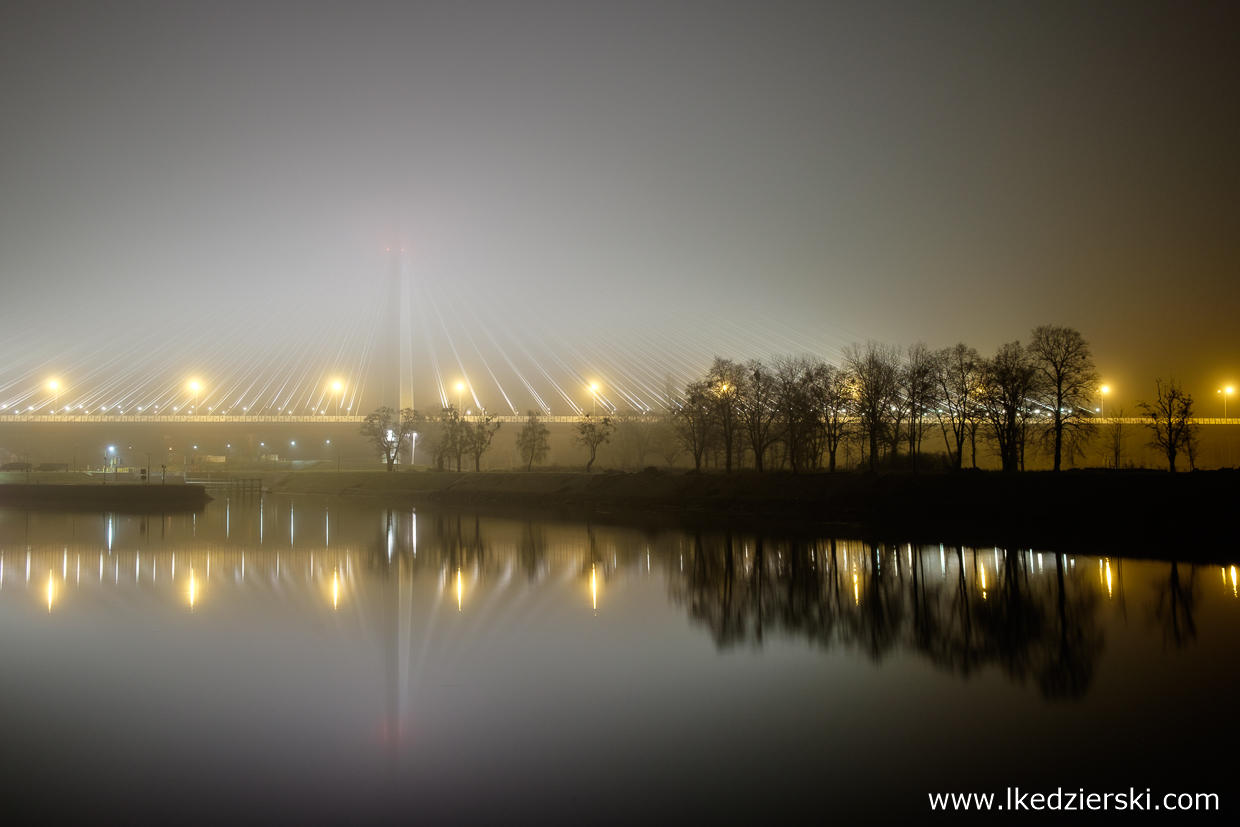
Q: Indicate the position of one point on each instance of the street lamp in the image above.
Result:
(1226, 392)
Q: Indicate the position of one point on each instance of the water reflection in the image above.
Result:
(314, 644)
(964, 610)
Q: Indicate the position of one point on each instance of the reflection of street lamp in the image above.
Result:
(1226, 392)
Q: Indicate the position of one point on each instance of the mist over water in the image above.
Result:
(328, 659)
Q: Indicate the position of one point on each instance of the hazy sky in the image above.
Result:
(903, 171)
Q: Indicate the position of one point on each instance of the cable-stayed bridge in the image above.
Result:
(327, 419)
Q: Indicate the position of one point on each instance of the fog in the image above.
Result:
(601, 193)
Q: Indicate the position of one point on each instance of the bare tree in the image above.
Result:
(452, 438)
(758, 411)
(1069, 380)
(693, 420)
(875, 369)
(635, 435)
(832, 392)
(725, 378)
(592, 433)
(958, 377)
(797, 417)
(1010, 383)
(917, 386)
(1113, 435)
(1169, 420)
(477, 436)
(532, 440)
(387, 429)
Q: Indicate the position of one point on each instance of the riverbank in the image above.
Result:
(123, 497)
(1013, 509)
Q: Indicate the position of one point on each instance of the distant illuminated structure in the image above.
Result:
(388, 361)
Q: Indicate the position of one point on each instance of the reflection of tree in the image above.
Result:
(532, 550)
(1069, 670)
(1174, 606)
(865, 596)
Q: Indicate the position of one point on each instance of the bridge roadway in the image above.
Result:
(324, 419)
(217, 419)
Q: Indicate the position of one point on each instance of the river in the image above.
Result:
(335, 660)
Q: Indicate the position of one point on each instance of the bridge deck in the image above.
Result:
(322, 419)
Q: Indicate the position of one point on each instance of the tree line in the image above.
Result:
(879, 404)
(874, 409)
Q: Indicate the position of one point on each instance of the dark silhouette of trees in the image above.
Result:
(758, 410)
(476, 436)
(797, 417)
(590, 434)
(1010, 383)
(917, 386)
(832, 394)
(693, 420)
(386, 429)
(1169, 420)
(1069, 380)
(958, 380)
(635, 436)
(725, 378)
(1113, 435)
(532, 440)
(452, 437)
(875, 369)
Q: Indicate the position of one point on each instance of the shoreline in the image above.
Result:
(117, 496)
(1070, 509)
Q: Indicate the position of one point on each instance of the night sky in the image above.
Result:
(754, 178)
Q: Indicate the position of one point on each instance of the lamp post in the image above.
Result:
(194, 387)
(594, 396)
(1226, 392)
(336, 386)
(1102, 401)
(413, 448)
(460, 387)
(55, 387)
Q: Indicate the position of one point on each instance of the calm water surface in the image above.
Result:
(330, 660)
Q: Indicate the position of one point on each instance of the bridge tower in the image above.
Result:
(389, 346)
